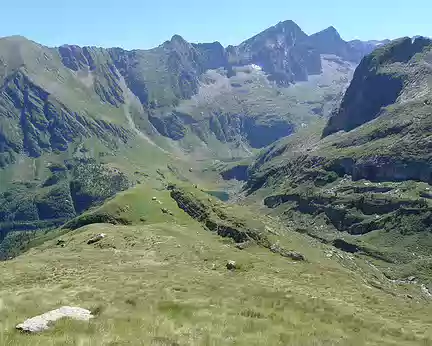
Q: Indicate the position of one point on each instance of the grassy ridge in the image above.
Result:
(175, 288)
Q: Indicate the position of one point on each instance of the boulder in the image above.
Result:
(231, 265)
(96, 238)
(42, 322)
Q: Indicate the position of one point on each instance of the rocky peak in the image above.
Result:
(328, 41)
(178, 38)
(178, 42)
(280, 51)
(288, 26)
(330, 34)
(282, 35)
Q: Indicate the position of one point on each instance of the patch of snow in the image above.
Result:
(256, 67)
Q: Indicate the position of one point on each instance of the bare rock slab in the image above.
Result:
(42, 322)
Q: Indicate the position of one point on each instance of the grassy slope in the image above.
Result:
(44, 67)
(153, 283)
(402, 242)
(138, 160)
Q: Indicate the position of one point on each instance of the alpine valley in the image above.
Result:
(277, 192)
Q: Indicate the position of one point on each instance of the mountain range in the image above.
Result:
(97, 85)
(287, 147)
(179, 100)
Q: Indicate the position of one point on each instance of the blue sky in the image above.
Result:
(145, 24)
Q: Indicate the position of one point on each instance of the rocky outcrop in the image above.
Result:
(76, 58)
(351, 213)
(41, 122)
(378, 82)
(215, 219)
(383, 168)
(97, 64)
(162, 76)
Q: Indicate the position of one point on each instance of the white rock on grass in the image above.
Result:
(42, 322)
(96, 238)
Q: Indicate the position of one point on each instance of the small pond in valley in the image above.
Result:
(222, 195)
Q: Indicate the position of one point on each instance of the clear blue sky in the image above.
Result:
(145, 24)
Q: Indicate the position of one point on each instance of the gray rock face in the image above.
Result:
(379, 81)
(42, 322)
(282, 51)
(75, 57)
